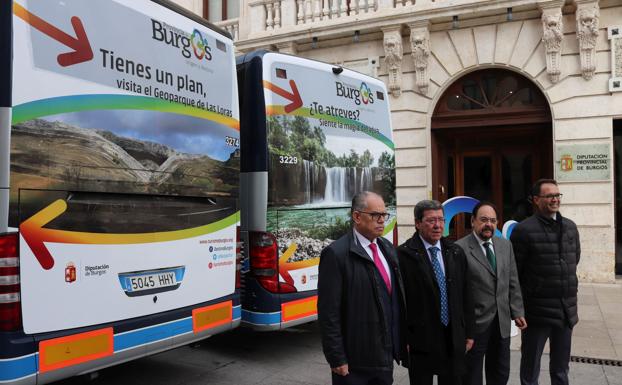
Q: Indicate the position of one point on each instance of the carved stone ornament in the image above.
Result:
(587, 33)
(552, 36)
(615, 37)
(393, 60)
(420, 48)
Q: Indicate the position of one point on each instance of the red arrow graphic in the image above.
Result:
(80, 44)
(294, 96)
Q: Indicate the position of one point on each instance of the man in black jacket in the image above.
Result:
(547, 250)
(440, 316)
(360, 297)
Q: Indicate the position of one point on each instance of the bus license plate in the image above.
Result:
(151, 281)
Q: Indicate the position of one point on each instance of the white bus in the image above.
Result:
(119, 180)
(312, 135)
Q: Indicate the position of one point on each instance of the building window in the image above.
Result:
(492, 90)
(220, 10)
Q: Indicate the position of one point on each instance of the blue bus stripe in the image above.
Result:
(17, 368)
(237, 312)
(12, 369)
(261, 318)
(152, 334)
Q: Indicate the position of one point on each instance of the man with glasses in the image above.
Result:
(439, 315)
(547, 252)
(497, 297)
(360, 299)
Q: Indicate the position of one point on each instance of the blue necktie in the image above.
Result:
(440, 279)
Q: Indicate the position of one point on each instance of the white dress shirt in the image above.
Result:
(364, 242)
(439, 253)
(481, 242)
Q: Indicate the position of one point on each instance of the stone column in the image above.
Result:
(244, 20)
(552, 36)
(385, 4)
(420, 51)
(289, 47)
(588, 14)
(257, 19)
(615, 36)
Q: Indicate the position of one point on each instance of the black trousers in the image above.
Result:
(423, 368)
(497, 352)
(533, 339)
(426, 378)
(360, 377)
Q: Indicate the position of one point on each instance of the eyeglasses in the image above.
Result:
(551, 196)
(433, 221)
(376, 216)
(492, 221)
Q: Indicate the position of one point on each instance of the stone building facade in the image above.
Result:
(486, 97)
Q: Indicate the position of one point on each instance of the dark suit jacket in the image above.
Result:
(494, 292)
(423, 322)
(350, 312)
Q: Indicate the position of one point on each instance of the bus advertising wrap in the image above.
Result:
(329, 137)
(124, 161)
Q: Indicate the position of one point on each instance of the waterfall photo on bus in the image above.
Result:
(324, 167)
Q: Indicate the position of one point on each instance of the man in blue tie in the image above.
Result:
(440, 314)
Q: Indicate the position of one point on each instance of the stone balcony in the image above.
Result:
(292, 25)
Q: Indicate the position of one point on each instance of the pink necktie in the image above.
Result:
(380, 266)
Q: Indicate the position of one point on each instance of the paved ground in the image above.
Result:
(295, 357)
(599, 331)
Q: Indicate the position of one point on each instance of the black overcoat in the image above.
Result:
(423, 323)
(350, 312)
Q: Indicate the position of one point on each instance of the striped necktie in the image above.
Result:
(442, 286)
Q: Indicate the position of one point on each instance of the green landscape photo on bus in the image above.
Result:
(322, 134)
(119, 227)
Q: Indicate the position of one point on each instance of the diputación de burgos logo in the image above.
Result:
(189, 43)
(361, 94)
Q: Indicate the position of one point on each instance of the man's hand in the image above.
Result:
(341, 370)
(521, 323)
(469, 344)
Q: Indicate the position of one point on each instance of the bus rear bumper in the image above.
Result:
(128, 342)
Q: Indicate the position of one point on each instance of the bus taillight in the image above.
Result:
(10, 302)
(264, 263)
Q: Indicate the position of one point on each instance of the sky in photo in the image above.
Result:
(185, 134)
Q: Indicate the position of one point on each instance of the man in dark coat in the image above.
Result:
(440, 314)
(547, 250)
(360, 299)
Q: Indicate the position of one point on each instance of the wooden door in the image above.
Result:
(499, 168)
(491, 139)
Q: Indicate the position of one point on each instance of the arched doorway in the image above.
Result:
(491, 139)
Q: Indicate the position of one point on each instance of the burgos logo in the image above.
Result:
(366, 95)
(177, 38)
(361, 94)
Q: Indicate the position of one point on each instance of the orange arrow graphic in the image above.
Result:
(80, 44)
(294, 96)
(285, 267)
(35, 234)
